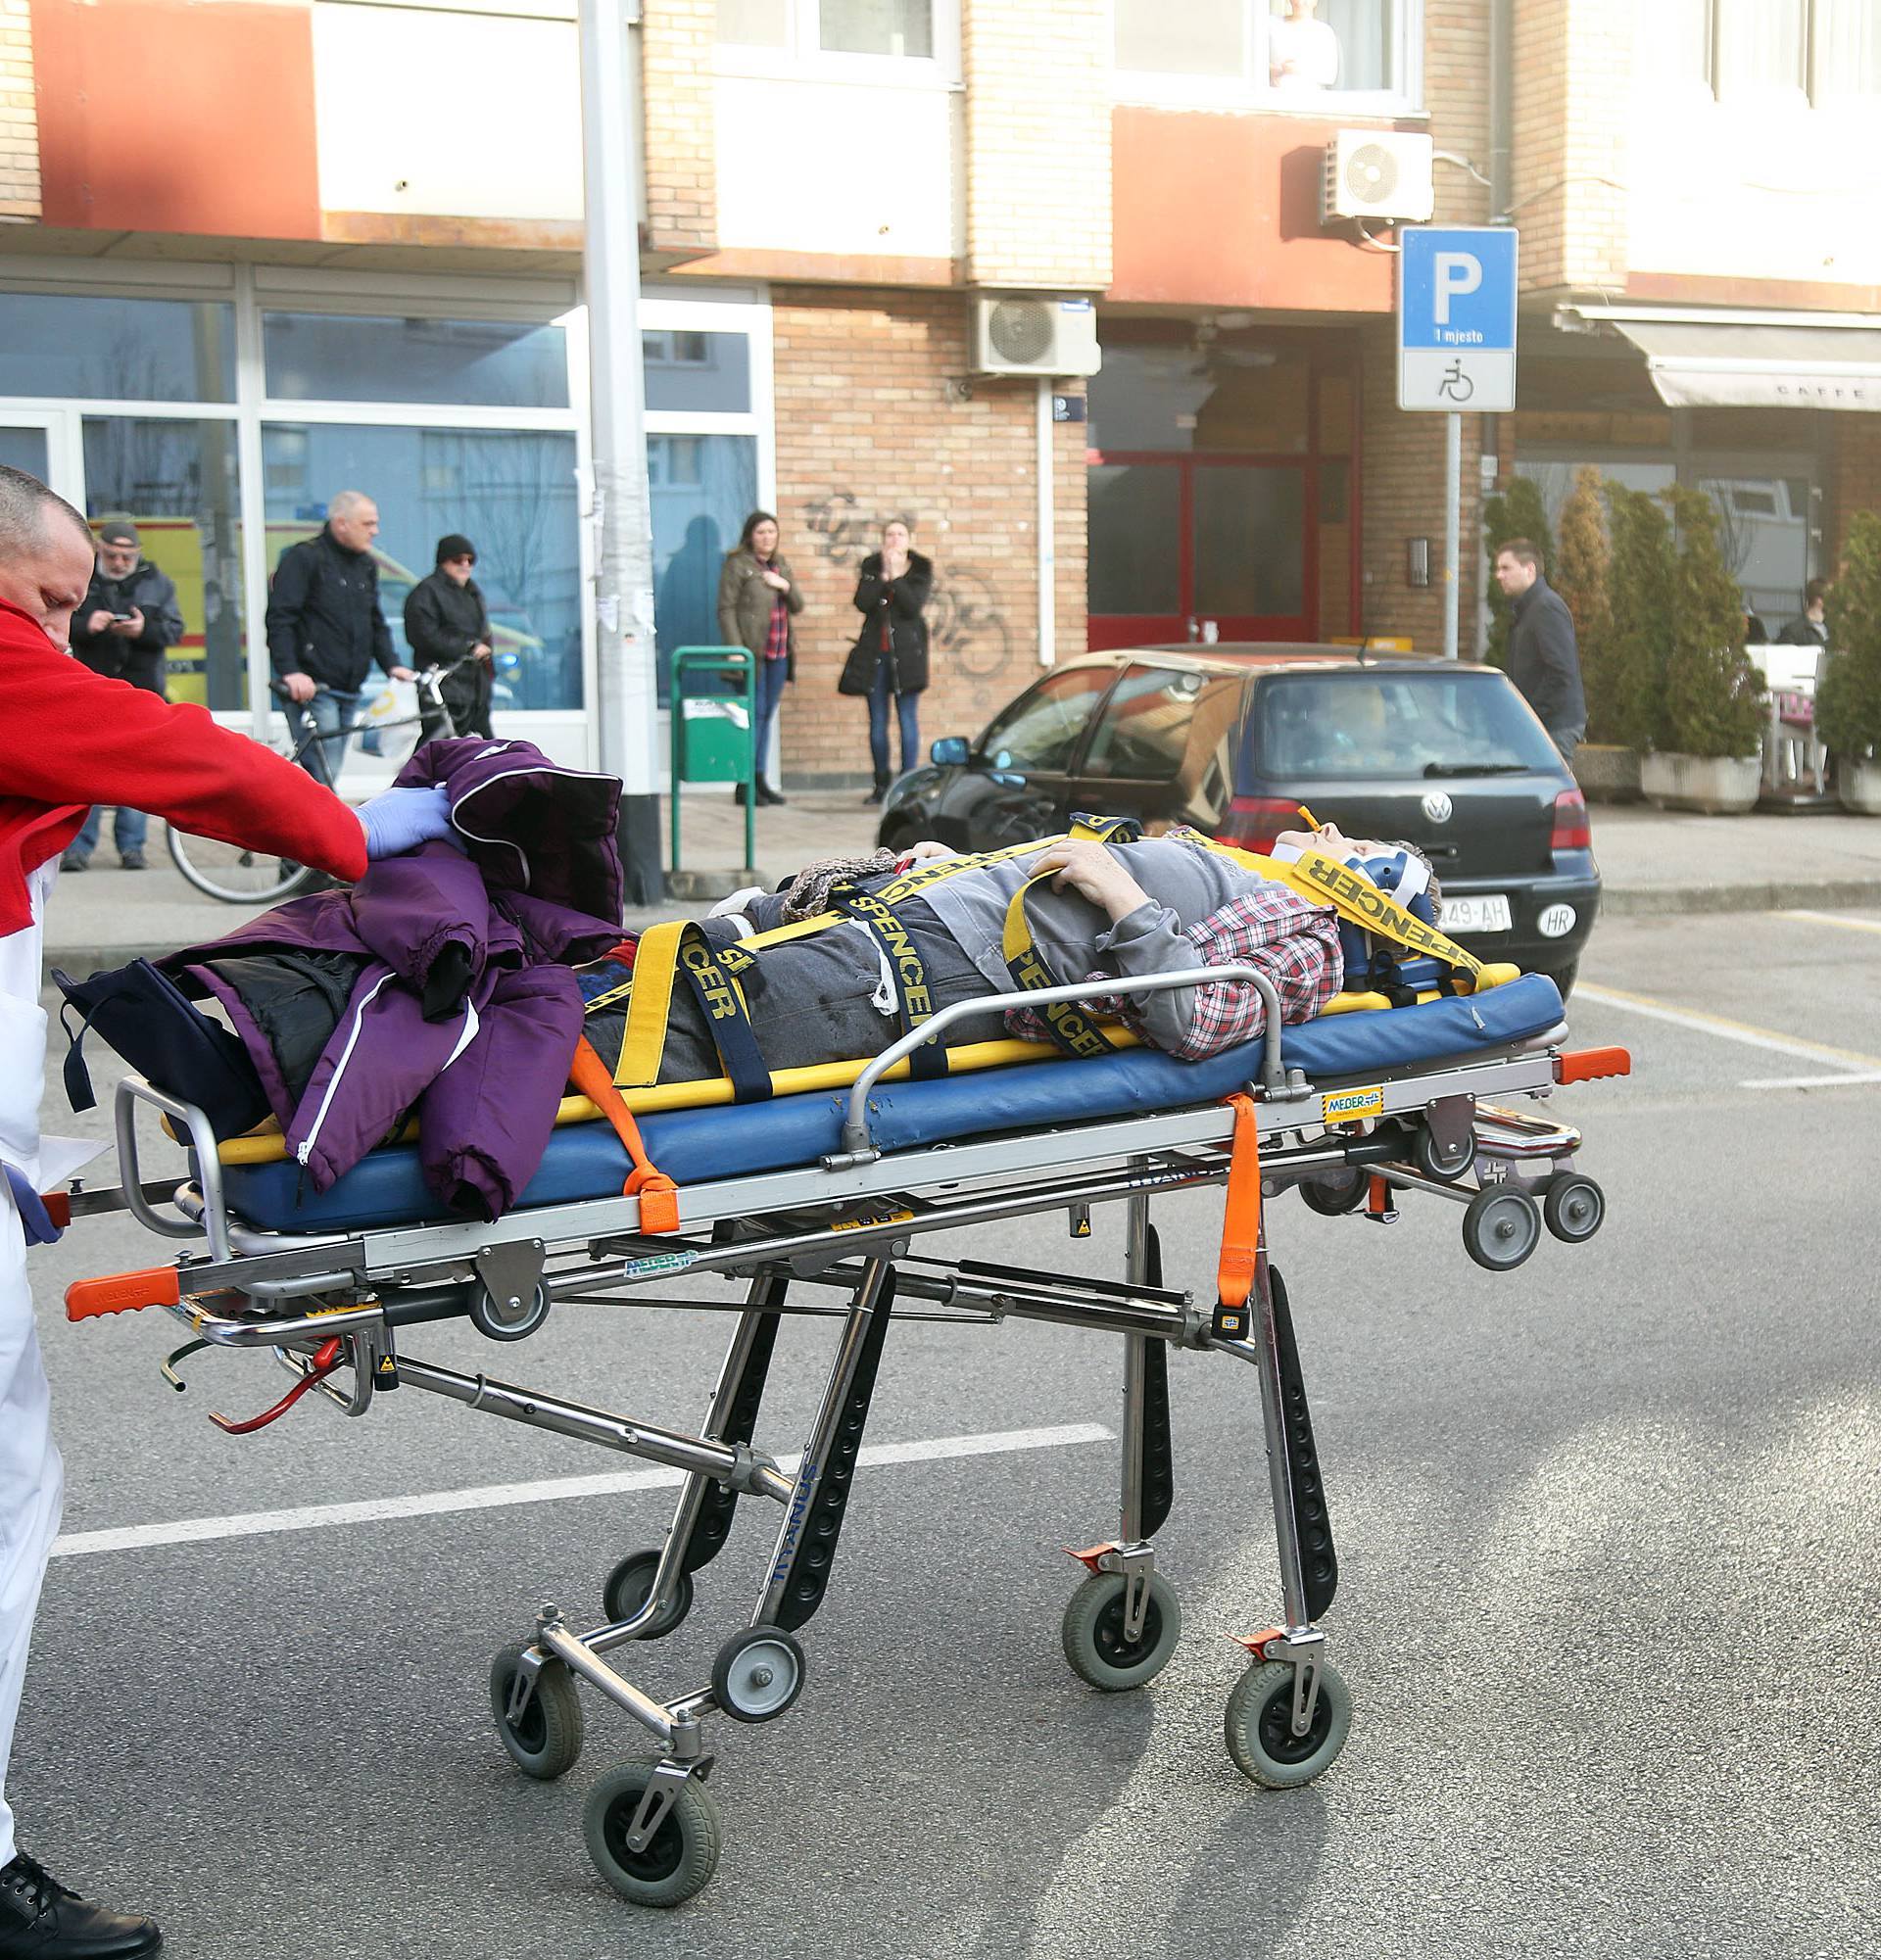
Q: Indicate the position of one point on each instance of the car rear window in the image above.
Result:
(1371, 724)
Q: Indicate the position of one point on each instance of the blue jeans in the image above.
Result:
(128, 830)
(771, 676)
(907, 710)
(333, 713)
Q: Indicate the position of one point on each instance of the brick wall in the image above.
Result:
(869, 424)
(18, 116)
(676, 63)
(1856, 482)
(1037, 142)
(1572, 90)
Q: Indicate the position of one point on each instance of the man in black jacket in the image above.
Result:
(1544, 661)
(325, 629)
(128, 620)
(446, 621)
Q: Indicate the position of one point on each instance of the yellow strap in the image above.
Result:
(1072, 1026)
(650, 1005)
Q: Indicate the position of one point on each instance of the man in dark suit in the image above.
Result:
(1544, 661)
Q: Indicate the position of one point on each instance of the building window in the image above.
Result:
(1288, 53)
(1824, 50)
(450, 363)
(110, 350)
(886, 30)
(705, 373)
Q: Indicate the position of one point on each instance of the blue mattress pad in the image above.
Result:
(696, 1146)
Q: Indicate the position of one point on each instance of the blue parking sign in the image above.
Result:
(1457, 318)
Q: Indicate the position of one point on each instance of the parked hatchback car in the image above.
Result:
(1234, 741)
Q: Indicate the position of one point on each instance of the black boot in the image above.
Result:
(42, 1920)
(738, 794)
(876, 794)
(766, 795)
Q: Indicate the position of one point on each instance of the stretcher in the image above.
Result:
(830, 1192)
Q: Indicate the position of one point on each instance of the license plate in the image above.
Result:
(1479, 912)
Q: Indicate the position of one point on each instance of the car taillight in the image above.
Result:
(1571, 822)
(1252, 823)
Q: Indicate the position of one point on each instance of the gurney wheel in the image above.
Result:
(1332, 1198)
(1258, 1726)
(499, 1323)
(757, 1674)
(1093, 1633)
(1575, 1207)
(626, 1590)
(1433, 1164)
(1501, 1228)
(683, 1854)
(545, 1743)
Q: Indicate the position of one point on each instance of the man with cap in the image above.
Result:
(446, 621)
(128, 621)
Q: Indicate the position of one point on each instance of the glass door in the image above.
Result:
(42, 441)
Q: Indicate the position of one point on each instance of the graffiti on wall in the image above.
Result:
(966, 623)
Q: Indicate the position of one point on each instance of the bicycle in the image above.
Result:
(241, 877)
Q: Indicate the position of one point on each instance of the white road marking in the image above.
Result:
(1835, 919)
(1807, 1081)
(1728, 1031)
(549, 1490)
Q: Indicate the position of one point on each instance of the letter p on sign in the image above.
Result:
(1455, 274)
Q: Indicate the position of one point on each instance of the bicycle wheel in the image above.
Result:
(235, 875)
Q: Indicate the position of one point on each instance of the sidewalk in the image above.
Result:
(1653, 863)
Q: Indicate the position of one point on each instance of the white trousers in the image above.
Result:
(32, 1478)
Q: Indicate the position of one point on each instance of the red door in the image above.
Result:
(1182, 544)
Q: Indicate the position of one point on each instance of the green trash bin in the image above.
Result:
(713, 735)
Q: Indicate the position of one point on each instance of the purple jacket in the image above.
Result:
(461, 1005)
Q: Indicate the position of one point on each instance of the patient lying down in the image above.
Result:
(1121, 912)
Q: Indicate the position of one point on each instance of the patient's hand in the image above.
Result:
(927, 851)
(1089, 869)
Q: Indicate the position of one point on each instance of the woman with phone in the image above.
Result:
(890, 656)
(758, 601)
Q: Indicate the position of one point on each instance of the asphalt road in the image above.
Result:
(1606, 1531)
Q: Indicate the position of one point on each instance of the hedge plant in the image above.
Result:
(1848, 695)
(1712, 697)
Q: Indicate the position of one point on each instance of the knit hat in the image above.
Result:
(456, 546)
(119, 531)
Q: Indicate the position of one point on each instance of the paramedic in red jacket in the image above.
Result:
(69, 738)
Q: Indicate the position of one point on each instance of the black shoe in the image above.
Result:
(876, 794)
(739, 796)
(72, 860)
(766, 795)
(42, 1920)
(133, 860)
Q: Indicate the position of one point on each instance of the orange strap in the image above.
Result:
(1241, 1217)
(659, 1195)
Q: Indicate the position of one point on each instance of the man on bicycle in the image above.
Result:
(69, 738)
(325, 629)
(447, 625)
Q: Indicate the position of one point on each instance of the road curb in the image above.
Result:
(1780, 895)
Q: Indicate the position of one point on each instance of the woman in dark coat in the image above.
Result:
(890, 653)
(758, 601)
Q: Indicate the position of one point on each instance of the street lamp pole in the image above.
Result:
(626, 706)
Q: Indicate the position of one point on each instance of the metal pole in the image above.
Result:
(1452, 528)
(627, 704)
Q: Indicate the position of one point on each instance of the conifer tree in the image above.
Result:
(1581, 561)
(1516, 512)
(1847, 698)
(1639, 586)
(1712, 698)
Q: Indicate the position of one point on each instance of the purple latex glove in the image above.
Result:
(400, 820)
(39, 1227)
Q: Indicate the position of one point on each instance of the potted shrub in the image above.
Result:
(1709, 717)
(1606, 765)
(1848, 695)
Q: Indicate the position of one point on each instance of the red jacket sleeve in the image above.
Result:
(68, 736)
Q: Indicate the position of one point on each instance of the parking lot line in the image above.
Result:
(1835, 919)
(548, 1490)
(1726, 1030)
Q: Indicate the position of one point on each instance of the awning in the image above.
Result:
(1710, 365)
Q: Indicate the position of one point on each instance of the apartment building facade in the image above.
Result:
(345, 251)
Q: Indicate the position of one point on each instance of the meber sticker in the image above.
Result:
(1349, 1105)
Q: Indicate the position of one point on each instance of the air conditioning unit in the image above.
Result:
(1031, 333)
(1382, 174)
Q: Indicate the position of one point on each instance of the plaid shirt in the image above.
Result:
(1294, 943)
(777, 642)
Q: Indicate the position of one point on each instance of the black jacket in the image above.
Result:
(324, 617)
(1543, 660)
(443, 621)
(1802, 632)
(140, 661)
(891, 610)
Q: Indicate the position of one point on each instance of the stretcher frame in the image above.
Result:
(338, 1304)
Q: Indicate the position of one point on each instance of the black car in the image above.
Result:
(1442, 752)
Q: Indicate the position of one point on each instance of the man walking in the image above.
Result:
(127, 621)
(69, 738)
(446, 622)
(1543, 660)
(325, 629)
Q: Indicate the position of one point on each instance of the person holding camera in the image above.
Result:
(126, 623)
(890, 656)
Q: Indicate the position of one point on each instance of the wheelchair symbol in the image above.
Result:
(1456, 384)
